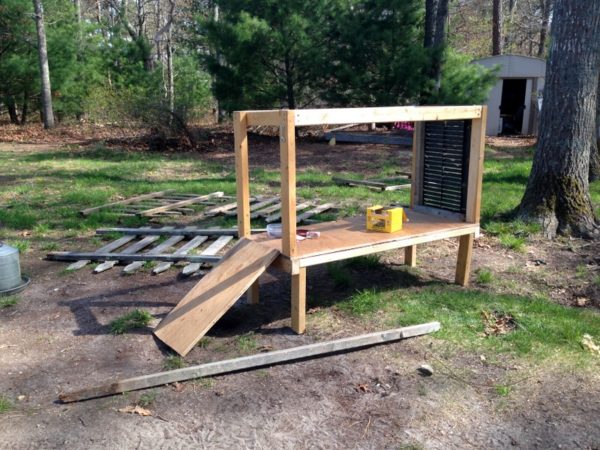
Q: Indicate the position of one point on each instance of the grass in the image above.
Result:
(484, 276)
(340, 274)
(246, 342)
(371, 261)
(7, 302)
(173, 362)
(147, 399)
(5, 404)
(364, 302)
(544, 329)
(502, 390)
(132, 320)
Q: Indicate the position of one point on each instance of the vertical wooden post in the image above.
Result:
(410, 256)
(463, 264)
(299, 301)
(476, 167)
(242, 176)
(416, 187)
(287, 148)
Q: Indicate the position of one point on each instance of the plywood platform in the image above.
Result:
(347, 238)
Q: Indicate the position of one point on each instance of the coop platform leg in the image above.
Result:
(299, 301)
(463, 264)
(253, 293)
(410, 256)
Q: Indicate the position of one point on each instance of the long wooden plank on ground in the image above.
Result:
(125, 257)
(252, 361)
(134, 248)
(190, 201)
(370, 138)
(107, 248)
(184, 250)
(165, 231)
(137, 198)
(211, 250)
(173, 240)
(214, 294)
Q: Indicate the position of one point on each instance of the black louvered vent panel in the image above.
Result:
(446, 164)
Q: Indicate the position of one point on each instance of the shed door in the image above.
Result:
(512, 106)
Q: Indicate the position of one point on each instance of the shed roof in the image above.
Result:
(515, 66)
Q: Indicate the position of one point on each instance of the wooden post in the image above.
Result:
(410, 256)
(288, 181)
(476, 167)
(416, 189)
(299, 301)
(242, 175)
(463, 264)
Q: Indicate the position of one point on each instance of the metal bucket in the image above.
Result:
(10, 269)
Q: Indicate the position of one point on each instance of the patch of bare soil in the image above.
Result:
(57, 339)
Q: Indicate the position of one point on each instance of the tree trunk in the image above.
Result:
(557, 193)
(12, 109)
(439, 42)
(48, 114)
(430, 13)
(289, 83)
(497, 27)
(595, 147)
(24, 107)
(545, 6)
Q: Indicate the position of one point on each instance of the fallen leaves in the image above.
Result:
(136, 409)
(588, 343)
(497, 323)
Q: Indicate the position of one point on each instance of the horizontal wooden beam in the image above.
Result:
(251, 362)
(385, 246)
(176, 231)
(387, 114)
(268, 117)
(126, 257)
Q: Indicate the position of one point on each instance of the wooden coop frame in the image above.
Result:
(349, 238)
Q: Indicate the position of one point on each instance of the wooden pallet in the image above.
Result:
(156, 204)
(136, 248)
(269, 209)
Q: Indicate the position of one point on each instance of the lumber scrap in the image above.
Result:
(191, 201)
(381, 185)
(214, 294)
(289, 355)
(369, 138)
(211, 250)
(88, 211)
(184, 250)
(109, 262)
(107, 248)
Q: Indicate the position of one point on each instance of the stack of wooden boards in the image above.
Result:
(164, 246)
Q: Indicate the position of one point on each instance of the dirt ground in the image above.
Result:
(57, 339)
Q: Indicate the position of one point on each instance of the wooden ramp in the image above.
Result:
(214, 294)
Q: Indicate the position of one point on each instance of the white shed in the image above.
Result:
(515, 101)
